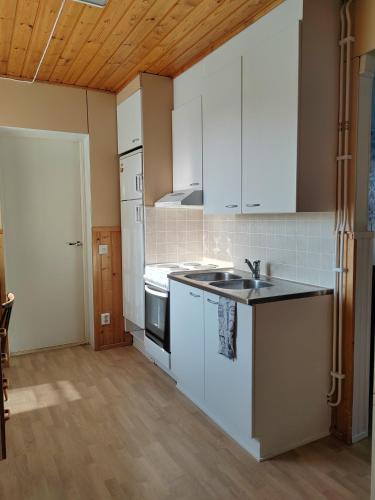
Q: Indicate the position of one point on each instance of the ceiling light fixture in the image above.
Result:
(94, 3)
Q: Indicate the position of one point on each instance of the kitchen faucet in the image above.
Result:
(254, 268)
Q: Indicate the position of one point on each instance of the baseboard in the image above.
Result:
(251, 445)
(139, 345)
(284, 449)
(360, 436)
(50, 348)
(126, 343)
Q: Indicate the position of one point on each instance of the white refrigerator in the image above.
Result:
(132, 234)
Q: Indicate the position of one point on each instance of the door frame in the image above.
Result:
(85, 174)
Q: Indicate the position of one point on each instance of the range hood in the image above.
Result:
(187, 198)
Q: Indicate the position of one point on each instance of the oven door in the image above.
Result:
(157, 315)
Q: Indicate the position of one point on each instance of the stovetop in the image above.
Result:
(157, 274)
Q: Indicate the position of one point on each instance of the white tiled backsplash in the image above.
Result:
(173, 235)
(294, 246)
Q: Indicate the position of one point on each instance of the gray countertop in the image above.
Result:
(280, 289)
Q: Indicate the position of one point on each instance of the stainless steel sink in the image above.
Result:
(213, 276)
(241, 284)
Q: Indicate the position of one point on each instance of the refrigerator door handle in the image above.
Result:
(140, 211)
(140, 183)
(136, 183)
(138, 214)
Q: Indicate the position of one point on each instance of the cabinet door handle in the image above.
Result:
(231, 206)
(135, 140)
(213, 302)
(250, 205)
(194, 184)
(194, 294)
(138, 183)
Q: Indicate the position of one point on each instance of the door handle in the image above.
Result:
(138, 214)
(75, 243)
(250, 205)
(194, 184)
(213, 302)
(231, 206)
(139, 183)
(196, 295)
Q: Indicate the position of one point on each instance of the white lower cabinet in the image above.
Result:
(228, 398)
(187, 339)
(272, 397)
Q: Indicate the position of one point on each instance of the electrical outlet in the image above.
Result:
(105, 319)
(103, 249)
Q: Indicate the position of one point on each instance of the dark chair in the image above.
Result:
(4, 327)
(4, 350)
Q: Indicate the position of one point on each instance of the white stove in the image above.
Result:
(157, 274)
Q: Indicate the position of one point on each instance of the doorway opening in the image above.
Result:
(46, 217)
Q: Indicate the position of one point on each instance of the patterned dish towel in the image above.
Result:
(227, 327)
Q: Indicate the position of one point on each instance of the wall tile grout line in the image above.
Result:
(291, 246)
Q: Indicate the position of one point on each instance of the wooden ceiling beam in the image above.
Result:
(7, 19)
(66, 25)
(199, 30)
(182, 30)
(153, 16)
(220, 33)
(74, 44)
(109, 18)
(106, 48)
(27, 11)
(120, 32)
(45, 19)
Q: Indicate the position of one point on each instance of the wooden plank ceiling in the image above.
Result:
(106, 48)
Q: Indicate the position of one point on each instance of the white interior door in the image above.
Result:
(41, 211)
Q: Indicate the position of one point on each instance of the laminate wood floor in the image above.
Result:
(110, 425)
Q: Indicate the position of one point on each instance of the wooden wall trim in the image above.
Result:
(99, 229)
(108, 288)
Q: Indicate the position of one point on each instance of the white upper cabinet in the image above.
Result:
(129, 123)
(270, 124)
(222, 139)
(187, 146)
(270, 134)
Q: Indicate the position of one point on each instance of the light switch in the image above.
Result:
(105, 319)
(103, 249)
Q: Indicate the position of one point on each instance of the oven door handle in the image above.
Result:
(151, 291)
